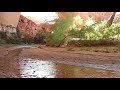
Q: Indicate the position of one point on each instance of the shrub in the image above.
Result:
(14, 40)
(40, 37)
(118, 48)
(117, 19)
(59, 32)
(28, 39)
(3, 35)
(2, 41)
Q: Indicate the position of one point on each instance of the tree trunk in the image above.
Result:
(110, 21)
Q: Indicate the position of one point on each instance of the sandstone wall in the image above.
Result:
(84, 15)
(95, 15)
(9, 18)
(26, 26)
(8, 29)
(44, 26)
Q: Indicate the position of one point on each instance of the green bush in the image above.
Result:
(62, 30)
(59, 32)
(14, 40)
(118, 47)
(3, 35)
(98, 43)
(2, 41)
(40, 37)
(28, 40)
(96, 34)
(116, 19)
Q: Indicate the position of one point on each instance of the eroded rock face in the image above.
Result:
(9, 22)
(84, 15)
(8, 29)
(94, 15)
(27, 26)
(44, 26)
(9, 18)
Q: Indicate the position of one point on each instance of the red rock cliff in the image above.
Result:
(95, 15)
(26, 26)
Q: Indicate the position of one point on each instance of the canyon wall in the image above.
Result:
(84, 15)
(9, 22)
(9, 18)
(26, 26)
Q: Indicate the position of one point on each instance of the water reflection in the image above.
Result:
(34, 68)
(31, 68)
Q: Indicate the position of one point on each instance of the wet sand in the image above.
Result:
(75, 55)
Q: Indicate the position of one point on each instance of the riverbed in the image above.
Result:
(37, 61)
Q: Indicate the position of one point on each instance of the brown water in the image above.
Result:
(34, 68)
(13, 66)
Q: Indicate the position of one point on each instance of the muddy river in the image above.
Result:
(15, 65)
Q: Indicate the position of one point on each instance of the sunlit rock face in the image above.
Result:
(9, 22)
(100, 15)
(30, 28)
(9, 18)
(84, 15)
(26, 26)
(44, 26)
(40, 17)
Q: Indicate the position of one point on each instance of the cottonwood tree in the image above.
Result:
(110, 21)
